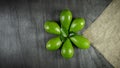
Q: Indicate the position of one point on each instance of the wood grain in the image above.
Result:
(22, 36)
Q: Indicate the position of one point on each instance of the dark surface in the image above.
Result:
(22, 37)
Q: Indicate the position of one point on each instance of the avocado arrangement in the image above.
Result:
(67, 34)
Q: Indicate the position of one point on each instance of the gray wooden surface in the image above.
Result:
(22, 37)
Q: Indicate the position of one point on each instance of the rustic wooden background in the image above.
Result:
(22, 37)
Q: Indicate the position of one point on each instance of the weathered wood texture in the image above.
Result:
(22, 37)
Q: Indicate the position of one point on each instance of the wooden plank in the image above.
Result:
(22, 36)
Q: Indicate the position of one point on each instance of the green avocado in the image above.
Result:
(52, 27)
(77, 24)
(54, 44)
(80, 41)
(65, 18)
(67, 50)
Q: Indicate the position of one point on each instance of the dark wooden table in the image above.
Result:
(22, 36)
